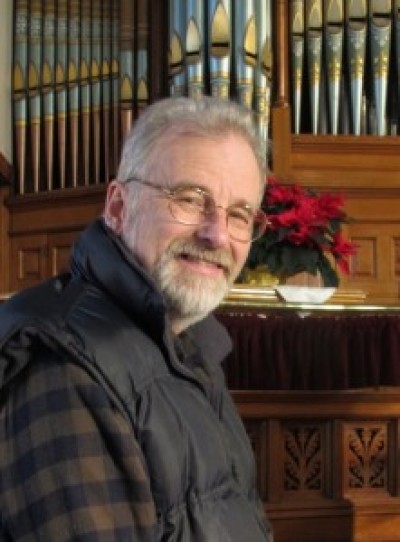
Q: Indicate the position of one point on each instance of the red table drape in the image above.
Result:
(337, 351)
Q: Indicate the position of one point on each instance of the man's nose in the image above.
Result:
(214, 228)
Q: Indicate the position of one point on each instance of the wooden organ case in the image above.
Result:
(82, 71)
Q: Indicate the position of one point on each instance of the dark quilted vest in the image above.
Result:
(199, 459)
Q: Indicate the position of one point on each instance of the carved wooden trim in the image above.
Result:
(354, 404)
(69, 196)
(327, 462)
(346, 144)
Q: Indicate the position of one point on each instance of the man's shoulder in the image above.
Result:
(32, 319)
(38, 302)
(86, 325)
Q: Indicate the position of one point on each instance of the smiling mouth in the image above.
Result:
(204, 260)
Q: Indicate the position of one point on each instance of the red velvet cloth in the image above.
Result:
(282, 351)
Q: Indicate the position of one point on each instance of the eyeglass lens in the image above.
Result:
(192, 206)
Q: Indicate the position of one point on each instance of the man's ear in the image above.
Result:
(115, 206)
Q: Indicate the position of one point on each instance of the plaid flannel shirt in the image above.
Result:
(70, 467)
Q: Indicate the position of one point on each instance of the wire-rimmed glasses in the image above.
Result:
(190, 205)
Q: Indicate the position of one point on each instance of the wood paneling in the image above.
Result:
(328, 462)
(375, 267)
(39, 256)
(42, 230)
(366, 170)
(28, 261)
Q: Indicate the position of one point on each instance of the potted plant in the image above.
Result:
(304, 234)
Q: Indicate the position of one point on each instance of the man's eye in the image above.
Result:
(240, 216)
(190, 199)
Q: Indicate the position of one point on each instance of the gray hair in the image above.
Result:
(204, 117)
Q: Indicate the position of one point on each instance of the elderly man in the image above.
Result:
(115, 422)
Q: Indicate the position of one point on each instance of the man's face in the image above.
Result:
(193, 265)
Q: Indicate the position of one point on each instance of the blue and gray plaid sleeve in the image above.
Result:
(70, 467)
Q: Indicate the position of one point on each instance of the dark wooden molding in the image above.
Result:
(66, 197)
(348, 144)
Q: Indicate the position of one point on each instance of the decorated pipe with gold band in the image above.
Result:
(127, 30)
(263, 69)
(106, 24)
(95, 86)
(84, 73)
(61, 82)
(35, 69)
(314, 55)
(245, 51)
(73, 87)
(48, 80)
(220, 46)
(115, 132)
(334, 50)
(176, 53)
(195, 47)
(142, 87)
(356, 37)
(297, 56)
(20, 82)
(381, 27)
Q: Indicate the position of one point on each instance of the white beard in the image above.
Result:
(190, 295)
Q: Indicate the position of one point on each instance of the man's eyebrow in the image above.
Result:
(187, 183)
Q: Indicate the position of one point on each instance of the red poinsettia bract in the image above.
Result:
(304, 232)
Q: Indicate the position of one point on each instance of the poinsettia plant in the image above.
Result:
(304, 233)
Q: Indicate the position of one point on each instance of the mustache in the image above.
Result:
(219, 257)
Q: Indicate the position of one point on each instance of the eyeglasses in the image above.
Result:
(190, 205)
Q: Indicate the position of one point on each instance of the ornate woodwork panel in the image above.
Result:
(331, 468)
(304, 451)
(365, 457)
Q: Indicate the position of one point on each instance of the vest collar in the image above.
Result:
(99, 256)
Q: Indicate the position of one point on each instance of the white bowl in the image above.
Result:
(304, 294)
